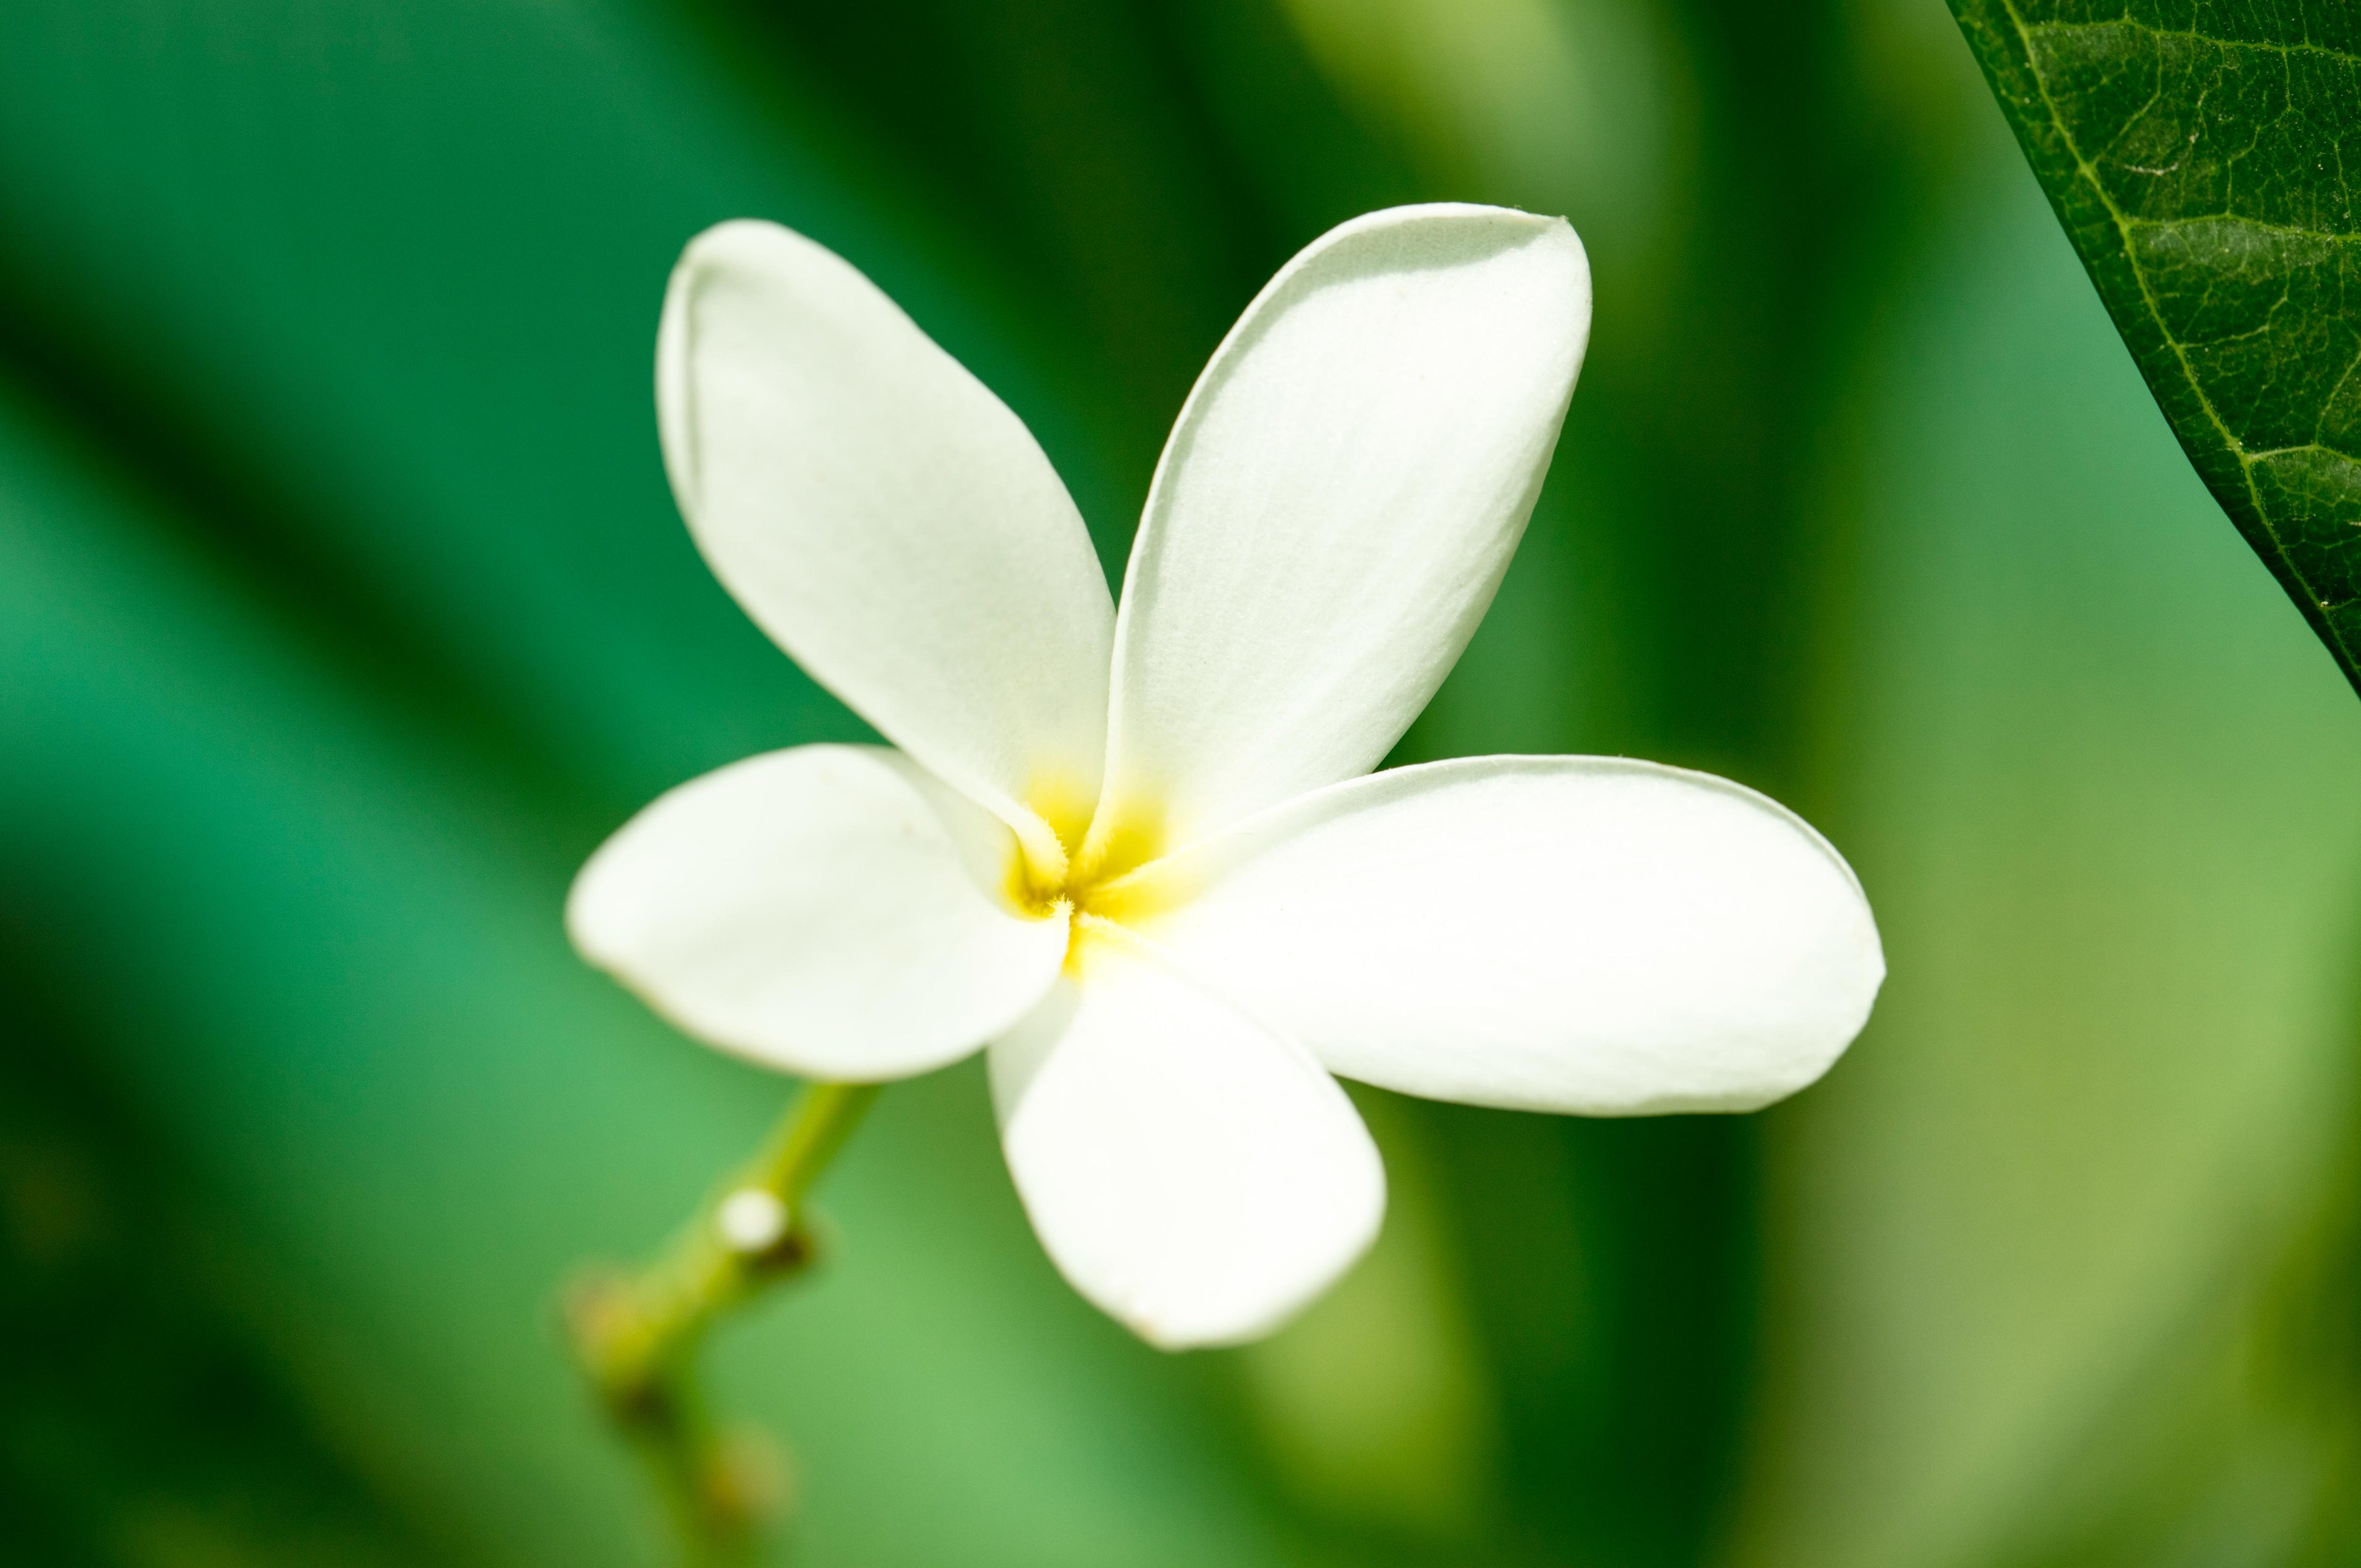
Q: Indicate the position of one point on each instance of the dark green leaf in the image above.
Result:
(140, 1420)
(2198, 153)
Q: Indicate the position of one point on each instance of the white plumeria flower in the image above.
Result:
(1139, 852)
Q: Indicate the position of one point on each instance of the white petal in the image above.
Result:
(1569, 934)
(885, 518)
(828, 910)
(1344, 489)
(1190, 1171)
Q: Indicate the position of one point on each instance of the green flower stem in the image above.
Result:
(637, 1335)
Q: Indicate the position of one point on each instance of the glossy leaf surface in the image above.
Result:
(2200, 153)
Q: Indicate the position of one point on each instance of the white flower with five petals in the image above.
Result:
(1139, 851)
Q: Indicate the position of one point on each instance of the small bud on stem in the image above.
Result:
(637, 1335)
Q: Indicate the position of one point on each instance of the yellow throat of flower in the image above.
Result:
(1103, 851)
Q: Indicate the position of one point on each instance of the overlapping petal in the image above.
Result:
(1567, 934)
(1337, 502)
(886, 519)
(828, 910)
(1192, 1172)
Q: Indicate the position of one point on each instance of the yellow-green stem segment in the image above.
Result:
(637, 1335)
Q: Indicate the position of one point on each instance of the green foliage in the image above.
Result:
(342, 611)
(143, 1422)
(2201, 154)
(2104, 804)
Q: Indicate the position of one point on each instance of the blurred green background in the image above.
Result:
(342, 611)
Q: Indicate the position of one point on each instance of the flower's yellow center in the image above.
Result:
(1096, 883)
